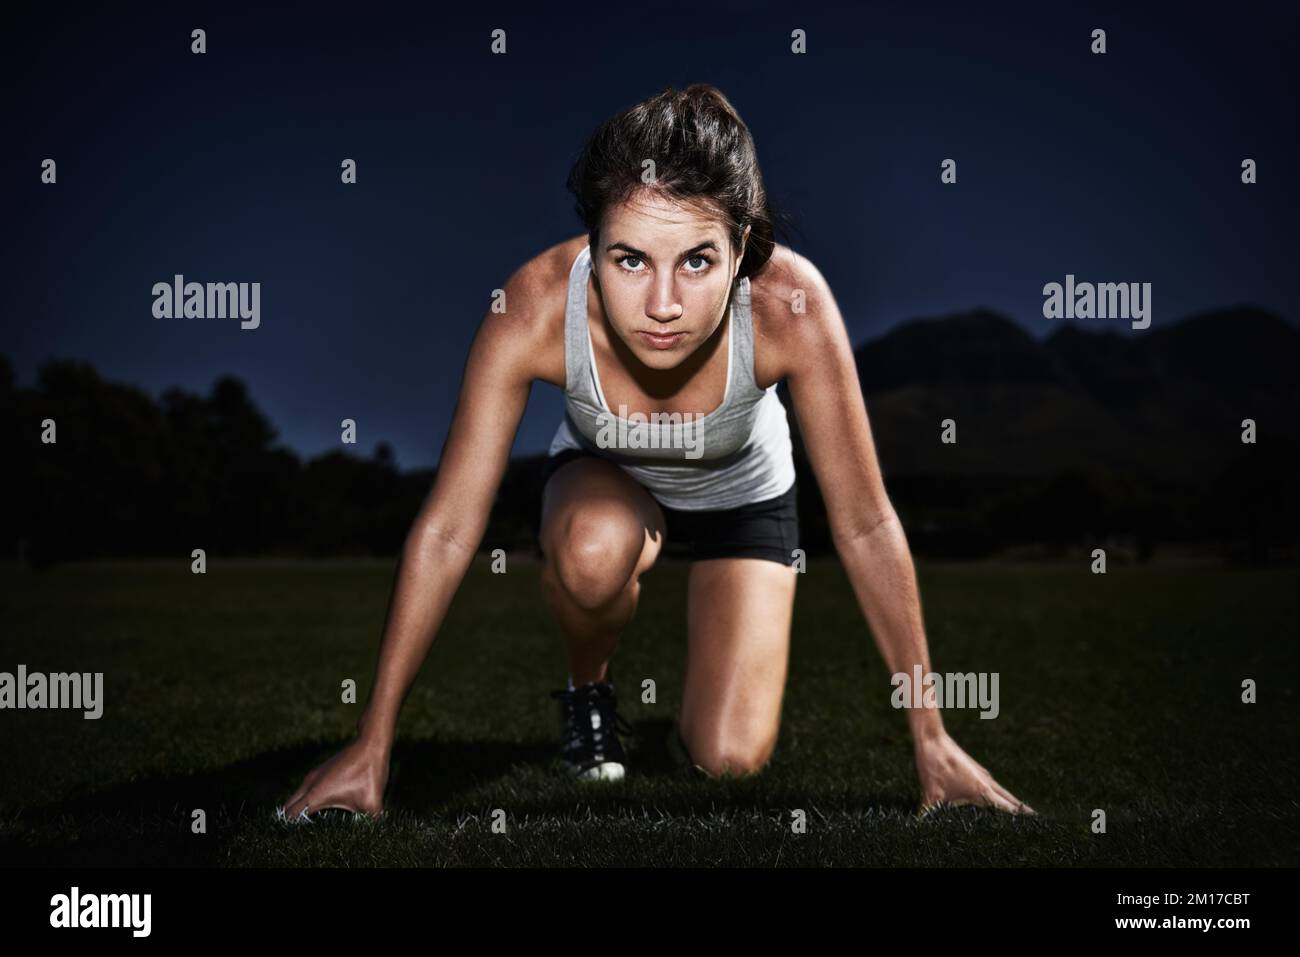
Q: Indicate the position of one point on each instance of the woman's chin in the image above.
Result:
(660, 359)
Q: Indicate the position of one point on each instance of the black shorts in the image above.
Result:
(767, 529)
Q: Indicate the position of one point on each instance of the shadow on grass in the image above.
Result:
(148, 821)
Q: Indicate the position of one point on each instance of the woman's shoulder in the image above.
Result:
(541, 284)
(535, 296)
(789, 299)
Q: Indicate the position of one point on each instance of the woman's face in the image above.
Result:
(664, 271)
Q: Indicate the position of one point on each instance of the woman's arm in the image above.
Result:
(510, 350)
(823, 381)
(442, 542)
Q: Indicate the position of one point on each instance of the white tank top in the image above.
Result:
(738, 454)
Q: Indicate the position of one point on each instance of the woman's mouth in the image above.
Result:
(664, 341)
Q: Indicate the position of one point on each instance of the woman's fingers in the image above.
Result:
(314, 801)
(336, 804)
(303, 788)
(995, 799)
(986, 792)
(927, 807)
(931, 798)
(352, 781)
(1017, 806)
(295, 807)
(310, 801)
(990, 795)
(1020, 806)
(953, 778)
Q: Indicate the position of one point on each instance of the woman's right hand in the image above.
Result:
(510, 352)
(354, 780)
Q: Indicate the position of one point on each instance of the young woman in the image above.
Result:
(668, 325)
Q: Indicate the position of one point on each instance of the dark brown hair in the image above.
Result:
(701, 150)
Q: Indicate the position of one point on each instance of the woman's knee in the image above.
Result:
(736, 755)
(593, 554)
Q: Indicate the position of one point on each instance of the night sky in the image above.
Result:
(1123, 167)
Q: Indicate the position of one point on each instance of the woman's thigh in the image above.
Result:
(738, 647)
(599, 529)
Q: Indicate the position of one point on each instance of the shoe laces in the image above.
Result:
(582, 703)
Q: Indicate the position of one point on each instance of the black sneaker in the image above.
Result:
(590, 725)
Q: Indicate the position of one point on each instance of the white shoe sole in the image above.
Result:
(609, 771)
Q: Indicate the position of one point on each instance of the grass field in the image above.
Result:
(1119, 692)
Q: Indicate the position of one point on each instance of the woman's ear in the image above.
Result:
(744, 240)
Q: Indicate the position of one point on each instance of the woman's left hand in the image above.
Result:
(951, 776)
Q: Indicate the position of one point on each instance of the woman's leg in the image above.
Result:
(600, 532)
(738, 648)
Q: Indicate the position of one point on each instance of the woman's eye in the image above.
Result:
(704, 261)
